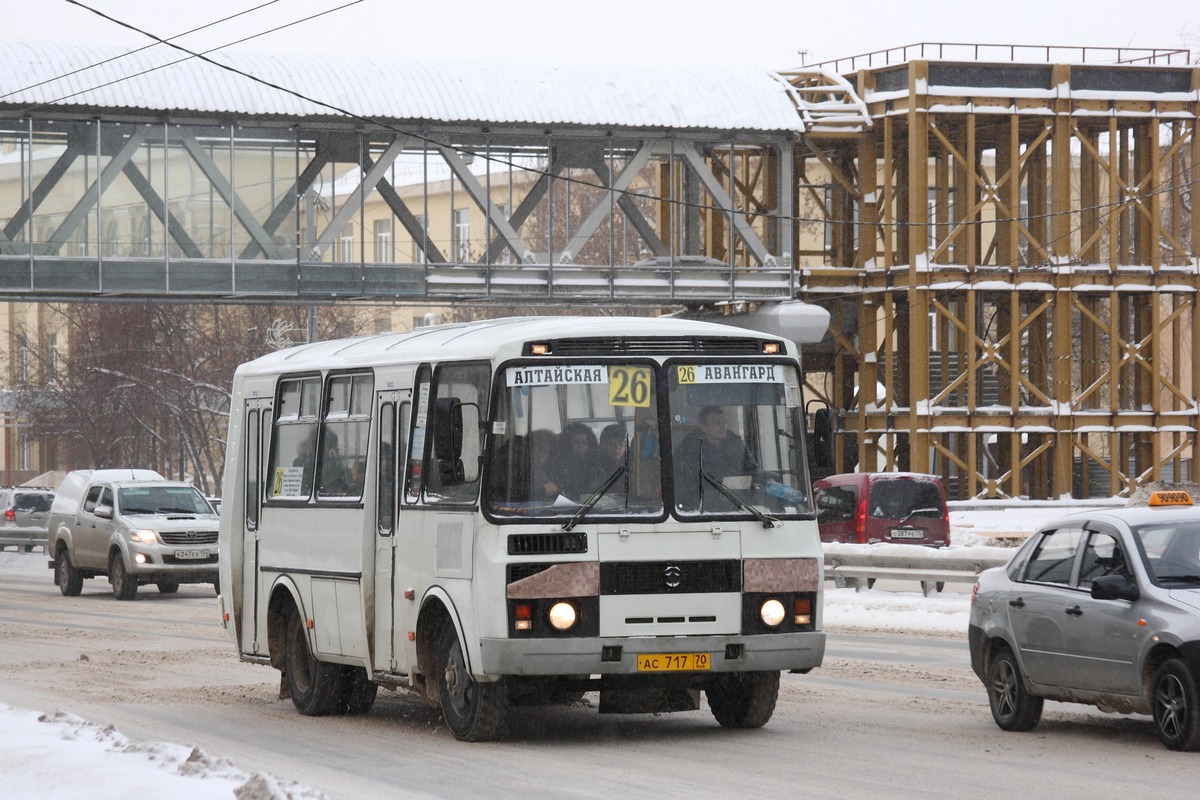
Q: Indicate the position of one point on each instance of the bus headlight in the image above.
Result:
(562, 616)
(772, 613)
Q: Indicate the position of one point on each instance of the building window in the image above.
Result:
(346, 245)
(419, 243)
(22, 360)
(383, 241)
(25, 458)
(383, 325)
(461, 246)
(52, 360)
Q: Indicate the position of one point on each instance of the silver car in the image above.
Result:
(1099, 607)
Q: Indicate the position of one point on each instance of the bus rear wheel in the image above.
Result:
(743, 699)
(474, 711)
(317, 687)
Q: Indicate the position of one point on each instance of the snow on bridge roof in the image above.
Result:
(381, 87)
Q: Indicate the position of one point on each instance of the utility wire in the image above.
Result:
(138, 50)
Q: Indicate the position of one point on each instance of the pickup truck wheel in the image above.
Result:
(168, 587)
(124, 585)
(317, 688)
(69, 579)
(743, 699)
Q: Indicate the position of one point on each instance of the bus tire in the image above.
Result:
(317, 687)
(743, 699)
(69, 579)
(124, 585)
(474, 711)
(360, 691)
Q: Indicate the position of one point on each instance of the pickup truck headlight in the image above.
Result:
(144, 536)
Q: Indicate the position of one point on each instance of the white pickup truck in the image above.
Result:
(133, 526)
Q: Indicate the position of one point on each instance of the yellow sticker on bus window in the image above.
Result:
(686, 373)
(629, 386)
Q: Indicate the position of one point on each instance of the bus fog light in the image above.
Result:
(771, 612)
(562, 616)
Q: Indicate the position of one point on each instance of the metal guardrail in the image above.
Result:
(859, 565)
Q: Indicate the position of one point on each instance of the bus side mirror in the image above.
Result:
(448, 440)
(448, 428)
(823, 441)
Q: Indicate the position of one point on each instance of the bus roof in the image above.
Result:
(485, 339)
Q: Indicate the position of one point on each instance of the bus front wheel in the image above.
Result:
(474, 711)
(317, 687)
(743, 699)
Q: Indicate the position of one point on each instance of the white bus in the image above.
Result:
(520, 511)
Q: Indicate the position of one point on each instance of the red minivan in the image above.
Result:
(869, 507)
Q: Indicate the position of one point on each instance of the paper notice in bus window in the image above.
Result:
(553, 375)
(289, 482)
(729, 373)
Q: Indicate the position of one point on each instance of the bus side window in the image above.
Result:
(467, 385)
(386, 474)
(414, 472)
(344, 432)
(293, 447)
(252, 470)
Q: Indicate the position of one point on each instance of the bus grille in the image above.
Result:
(538, 544)
(188, 538)
(670, 577)
(639, 345)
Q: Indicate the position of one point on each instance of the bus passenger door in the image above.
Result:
(391, 411)
(258, 431)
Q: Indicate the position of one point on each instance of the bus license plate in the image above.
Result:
(673, 662)
(192, 555)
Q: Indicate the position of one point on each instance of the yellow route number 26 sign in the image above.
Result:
(629, 386)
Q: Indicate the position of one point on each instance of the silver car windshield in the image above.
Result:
(1171, 552)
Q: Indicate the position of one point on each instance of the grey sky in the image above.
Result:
(767, 33)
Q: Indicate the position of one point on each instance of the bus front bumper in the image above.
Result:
(619, 655)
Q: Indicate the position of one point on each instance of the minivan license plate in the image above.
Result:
(907, 533)
(191, 555)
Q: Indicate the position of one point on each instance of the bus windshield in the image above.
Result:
(594, 438)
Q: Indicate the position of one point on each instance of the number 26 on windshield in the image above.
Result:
(629, 386)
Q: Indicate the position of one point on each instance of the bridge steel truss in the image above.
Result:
(101, 206)
(1014, 272)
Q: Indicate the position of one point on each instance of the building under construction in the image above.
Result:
(1010, 263)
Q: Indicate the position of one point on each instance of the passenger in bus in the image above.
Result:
(577, 462)
(724, 454)
(542, 485)
(335, 478)
(613, 447)
(304, 460)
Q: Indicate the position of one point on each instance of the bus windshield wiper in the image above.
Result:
(766, 520)
(595, 498)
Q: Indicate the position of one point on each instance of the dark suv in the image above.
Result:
(24, 516)
(869, 507)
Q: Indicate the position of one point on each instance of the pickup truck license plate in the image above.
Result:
(673, 662)
(907, 533)
(191, 555)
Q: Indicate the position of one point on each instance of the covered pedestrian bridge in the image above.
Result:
(241, 178)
